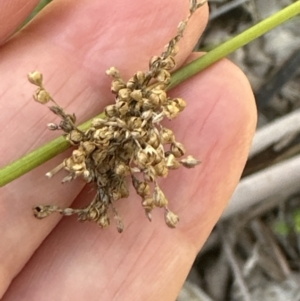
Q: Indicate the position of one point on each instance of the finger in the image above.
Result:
(74, 46)
(12, 14)
(149, 261)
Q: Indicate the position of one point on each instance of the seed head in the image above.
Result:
(128, 141)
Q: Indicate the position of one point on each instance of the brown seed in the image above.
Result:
(174, 49)
(52, 126)
(171, 110)
(122, 169)
(88, 147)
(141, 158)
(121, 123)
(158, 96)
(177, 149)
(139, 77)
(111, 111)
(146, 115)
(120, 226)
(148, 215)
(103, 221)
(169, 63)
(98, 122)
(147, 104)
(131, 84)
(171, 219)
(102, 180)
(87, 175)
(100, 133)
(68, 163)
(78, 156)
(157, 118)
(99, 155)
(164, 77)
(160, 199)
(117, 85)
(153, 139)
(113, 72)
(36, 78)
(160, 152)
(41, 96)
(137, 106)
(166, 136)
(93, 214)
(124, 94)
(115, 195)
(189, 162)
(43, 211)
(136, 95)
(74, 137)
(153, 155)
(142, 188)
(171, 162)
(134, 123)
(148, 204)
(78, 167)
(181, 27)
(154, 61)
(149, 174)
(122, 107)
(161, 169)
(180, 103)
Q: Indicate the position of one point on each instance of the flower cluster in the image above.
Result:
(129, 141)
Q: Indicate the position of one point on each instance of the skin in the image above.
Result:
(72, 43)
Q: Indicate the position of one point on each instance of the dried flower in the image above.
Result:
(128, 141)
(177, 149)
(159, 198)
(189, 162)
(171, 162)
(52, 126)
(171, 219)
(36, 78)
(41, 96)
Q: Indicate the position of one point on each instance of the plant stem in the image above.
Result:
(233, 44)
(57, 146)
(37, 157)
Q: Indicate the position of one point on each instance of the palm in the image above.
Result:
(73, 43)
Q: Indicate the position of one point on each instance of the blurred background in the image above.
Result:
(254, 251)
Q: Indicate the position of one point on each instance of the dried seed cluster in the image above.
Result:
(129, 141)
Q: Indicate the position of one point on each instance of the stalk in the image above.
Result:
(49, 150)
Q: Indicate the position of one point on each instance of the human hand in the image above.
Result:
(72, 43)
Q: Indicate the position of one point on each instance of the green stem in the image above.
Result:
(57, 146)
(235, 43)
